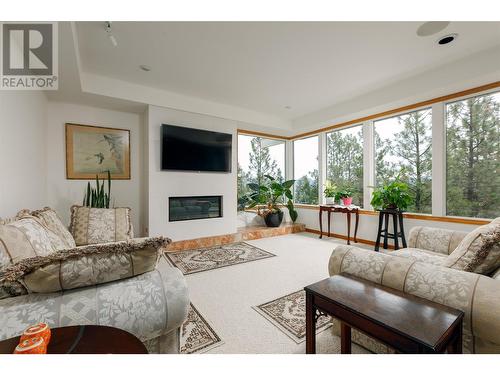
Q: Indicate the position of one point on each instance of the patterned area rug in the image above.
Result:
(199, 260)
(196, 334)
(288, 313)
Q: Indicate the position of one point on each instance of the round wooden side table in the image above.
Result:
(85, 339)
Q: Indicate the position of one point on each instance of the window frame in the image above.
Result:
(398, 114)
(444, 173)
(364, 163)
(292, 169)
(262, 136)
(439, 148)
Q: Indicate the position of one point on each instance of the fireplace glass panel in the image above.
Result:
(195, 207)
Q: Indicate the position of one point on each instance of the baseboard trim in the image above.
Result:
(343, 237)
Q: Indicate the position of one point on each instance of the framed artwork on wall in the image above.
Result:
(93, 150)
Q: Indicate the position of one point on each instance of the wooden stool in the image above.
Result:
(383, 220)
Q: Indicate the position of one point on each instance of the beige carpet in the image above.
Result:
(226, 296)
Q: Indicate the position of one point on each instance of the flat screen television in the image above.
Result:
(186, 149)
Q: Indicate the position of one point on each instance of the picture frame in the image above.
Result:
(93, 150)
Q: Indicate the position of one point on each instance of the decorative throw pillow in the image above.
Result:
(100, 225)
(83, 266)
(52, 221)
(23, 237)
(479, 251)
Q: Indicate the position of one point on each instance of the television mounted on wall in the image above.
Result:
(188, 149)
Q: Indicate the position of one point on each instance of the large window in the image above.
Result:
(473, 157)
(257, 157)
(305, 170)
(403, 147)
(344, 160)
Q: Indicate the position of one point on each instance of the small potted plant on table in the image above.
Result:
(330, 191)
(345, 195)
(269, 196)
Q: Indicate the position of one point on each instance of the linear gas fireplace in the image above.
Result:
(193, 208)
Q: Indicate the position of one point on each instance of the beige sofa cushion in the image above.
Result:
(84, 266)
(479, 251)
(496, 274)
(52, 221)
(23, 237)
(437, 240)
(420, 255)
(100, 225)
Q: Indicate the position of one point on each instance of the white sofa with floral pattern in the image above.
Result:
(425, 269)
(151, 305)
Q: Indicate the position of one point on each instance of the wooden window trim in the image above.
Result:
(414, 216)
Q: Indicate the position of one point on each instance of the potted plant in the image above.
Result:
(269, 196)
(97, 197)
(345, 195)
(393, 195)
(330, 190)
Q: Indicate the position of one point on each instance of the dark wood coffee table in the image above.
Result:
(404, 322)
(85, 340)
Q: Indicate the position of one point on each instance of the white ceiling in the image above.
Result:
(266, 66)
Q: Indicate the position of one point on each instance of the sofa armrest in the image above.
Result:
(176, 293)
(442, 241)
(474, 294)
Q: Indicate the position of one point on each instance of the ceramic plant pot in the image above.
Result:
(347, 201)
(274, 219)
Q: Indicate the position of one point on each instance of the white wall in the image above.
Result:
(23, 120)
(63, 193)
(164, 184)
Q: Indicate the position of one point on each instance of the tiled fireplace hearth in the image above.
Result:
(243, 234)
(194, 207)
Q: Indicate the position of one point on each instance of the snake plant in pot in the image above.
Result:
(97, 197)
(269, 196)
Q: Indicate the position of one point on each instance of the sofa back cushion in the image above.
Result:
(52, 221)
(438, 240)
(479, 251)
(23, 237)
(100, 225)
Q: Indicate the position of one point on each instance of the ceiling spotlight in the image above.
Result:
(145, 68)
(431, 28)
(107, 27)
(447, 39)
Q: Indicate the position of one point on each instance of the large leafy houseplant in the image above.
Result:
(393, 195)
(269, 196)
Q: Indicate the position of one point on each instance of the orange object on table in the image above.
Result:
(37, 330)
(32, 345)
